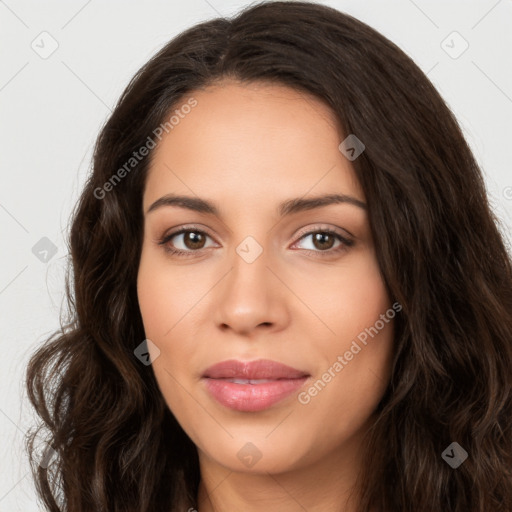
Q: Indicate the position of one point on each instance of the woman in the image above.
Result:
(290, 292)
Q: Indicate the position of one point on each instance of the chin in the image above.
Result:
(253, 454)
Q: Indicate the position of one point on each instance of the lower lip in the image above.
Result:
(251, 397)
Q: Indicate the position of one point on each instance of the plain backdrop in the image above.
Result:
(63, 66)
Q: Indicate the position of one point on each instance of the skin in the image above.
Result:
(247, 148)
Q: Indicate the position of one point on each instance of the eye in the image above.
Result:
(193, 241)
(323, 239)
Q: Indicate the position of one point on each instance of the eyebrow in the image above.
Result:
(287, 207)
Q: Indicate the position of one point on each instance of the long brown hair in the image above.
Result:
(441, 254)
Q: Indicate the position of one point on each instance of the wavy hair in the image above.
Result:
(441, 253)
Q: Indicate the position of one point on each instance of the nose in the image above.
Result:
(251, 298)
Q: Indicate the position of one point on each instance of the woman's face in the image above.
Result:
(260, 278)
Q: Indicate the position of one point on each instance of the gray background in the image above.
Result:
(52, 107)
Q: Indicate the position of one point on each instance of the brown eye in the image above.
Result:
(324, 240)
(191, 240)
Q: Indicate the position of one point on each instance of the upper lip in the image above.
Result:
(259, 369)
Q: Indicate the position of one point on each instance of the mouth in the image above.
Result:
(252, 386)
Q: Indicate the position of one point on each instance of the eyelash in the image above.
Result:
(345, 242)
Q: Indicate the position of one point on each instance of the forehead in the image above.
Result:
(253, 140)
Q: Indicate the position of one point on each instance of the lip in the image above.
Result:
(252, 397)
(259, 369)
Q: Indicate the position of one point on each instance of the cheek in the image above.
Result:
(165, 294)
(348, 299)
(360, 314)
(349, 384)
(162, 305)
(365, 296)
(169, 300)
